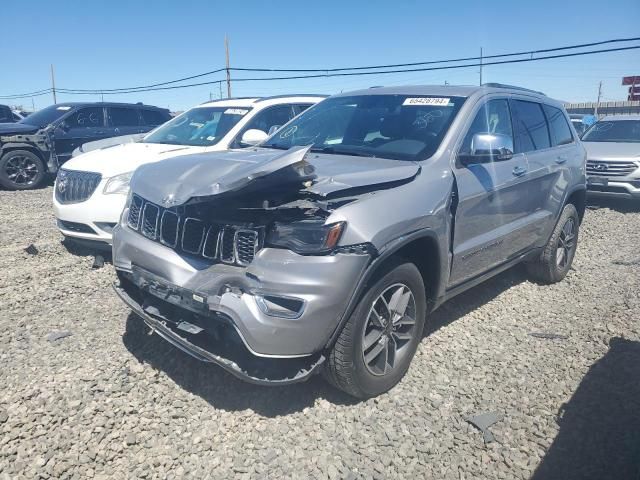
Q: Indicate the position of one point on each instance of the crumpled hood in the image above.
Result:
(179, 179)
(126, 157)
(17, 129)
(612, 151)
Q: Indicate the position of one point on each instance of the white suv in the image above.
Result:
(91, 189)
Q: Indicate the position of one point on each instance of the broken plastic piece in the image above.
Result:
(483, 421)
(98, 262)
(548, 336)
(31, 249)
(54, 336)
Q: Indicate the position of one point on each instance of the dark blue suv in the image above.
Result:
(45, 139)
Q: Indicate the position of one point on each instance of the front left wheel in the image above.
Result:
(21, 170)
(376, 345)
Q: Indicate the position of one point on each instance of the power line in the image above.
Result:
(350, 74)
(433, 62)
(348, 71)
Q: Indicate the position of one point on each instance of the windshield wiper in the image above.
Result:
(276, 146)
(338, 151)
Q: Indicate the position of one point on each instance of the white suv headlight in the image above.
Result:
(118, 184)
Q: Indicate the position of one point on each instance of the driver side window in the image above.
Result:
(492, 118)
(86, 117)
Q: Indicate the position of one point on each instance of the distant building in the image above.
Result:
(604, 108)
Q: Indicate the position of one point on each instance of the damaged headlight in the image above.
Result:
(118, 184)
(306, 236)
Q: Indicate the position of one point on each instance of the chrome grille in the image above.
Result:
(169, 228)
(232, 244)
(246, 242)
(150, 214)
(74, 187)
(193, 232)
(134, 212)
(604, 168)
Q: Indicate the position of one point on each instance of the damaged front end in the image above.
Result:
(26, 137)
(244, 267)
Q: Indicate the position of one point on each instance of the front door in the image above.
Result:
(84, 125)
(491, 210)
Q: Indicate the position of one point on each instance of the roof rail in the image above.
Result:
(230, 98)
(262, 99)
(512, 87)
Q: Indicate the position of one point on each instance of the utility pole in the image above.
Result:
(53, 85)
(226, 48)
(595, 112)
(481, 66)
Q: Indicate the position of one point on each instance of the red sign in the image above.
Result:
(634, 90)
(631, 80)
(634, 98)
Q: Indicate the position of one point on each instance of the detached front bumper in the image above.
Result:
(282, 305)
(223, 351)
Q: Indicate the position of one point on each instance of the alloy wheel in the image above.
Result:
(389, 329)
(21, 170)
(566, 243)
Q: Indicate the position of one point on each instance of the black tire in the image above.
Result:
(346, 367)
(548, 268)
(21, 170)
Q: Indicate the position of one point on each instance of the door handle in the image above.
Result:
(561, 158)
(519, 170)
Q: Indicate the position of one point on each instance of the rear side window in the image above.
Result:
(153, 117)
(298, 109)
(560, 131)
(530, 126)
(123, 117)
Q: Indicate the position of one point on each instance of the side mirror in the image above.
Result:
(488, 147)
(253, 136)
(274, 128)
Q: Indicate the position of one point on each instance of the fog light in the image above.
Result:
(276, 306)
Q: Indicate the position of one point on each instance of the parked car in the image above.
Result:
(325, 247)
(581, 122)
(91, 190)
(613, 157)
(41, 142)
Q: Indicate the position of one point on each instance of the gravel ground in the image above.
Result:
(110, 401)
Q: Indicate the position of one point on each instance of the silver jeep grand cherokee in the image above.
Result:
(325, 248)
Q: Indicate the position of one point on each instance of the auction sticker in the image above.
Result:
(434, 101)
(235, 111)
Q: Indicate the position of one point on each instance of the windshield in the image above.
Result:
(619, 131)
(47, 115)
(389, 126)
(200, 126)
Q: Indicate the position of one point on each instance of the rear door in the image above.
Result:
(535, 139)
(492, 210)
(123, 121)
(84, 125)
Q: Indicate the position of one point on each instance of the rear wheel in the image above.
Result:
(375, 347)
(557, 256)
(21, 170)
